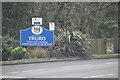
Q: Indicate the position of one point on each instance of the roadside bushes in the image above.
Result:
(73, 44)
(8, 44)
(37, 53)
(11, 49)
(18, 53)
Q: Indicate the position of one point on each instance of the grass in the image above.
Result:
(44, 59)
(104, 55)
(24, 60)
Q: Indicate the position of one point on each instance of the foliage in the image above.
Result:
(38, 53)
(8, 44)
(72, 20)
(74, 44)
(107, 28)
(17, 53)
(70, 16)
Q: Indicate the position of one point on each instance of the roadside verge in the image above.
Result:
(43, 60)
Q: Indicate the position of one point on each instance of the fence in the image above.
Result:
(102, 46)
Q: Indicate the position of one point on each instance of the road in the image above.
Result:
(97, 68)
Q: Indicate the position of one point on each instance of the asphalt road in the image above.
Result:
(98, 68)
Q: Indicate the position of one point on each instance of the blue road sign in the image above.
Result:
(36, 36)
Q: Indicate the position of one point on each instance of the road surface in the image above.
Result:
(97, 68)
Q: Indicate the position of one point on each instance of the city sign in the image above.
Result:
(36, 36)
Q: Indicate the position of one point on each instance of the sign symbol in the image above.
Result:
(37, 30)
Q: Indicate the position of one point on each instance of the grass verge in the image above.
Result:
(105, 56)
(23, 61)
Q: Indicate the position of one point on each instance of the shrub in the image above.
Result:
(6, 54)
(38, 53)
(8, 43)
(73, 44)
(18, 53)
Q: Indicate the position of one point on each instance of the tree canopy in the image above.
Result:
(95, 19)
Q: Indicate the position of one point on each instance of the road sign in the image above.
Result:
(51, 26)
(37, 21)
(36, 36)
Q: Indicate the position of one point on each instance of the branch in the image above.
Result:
(48, 11)
(51, 9)
(101, 8)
